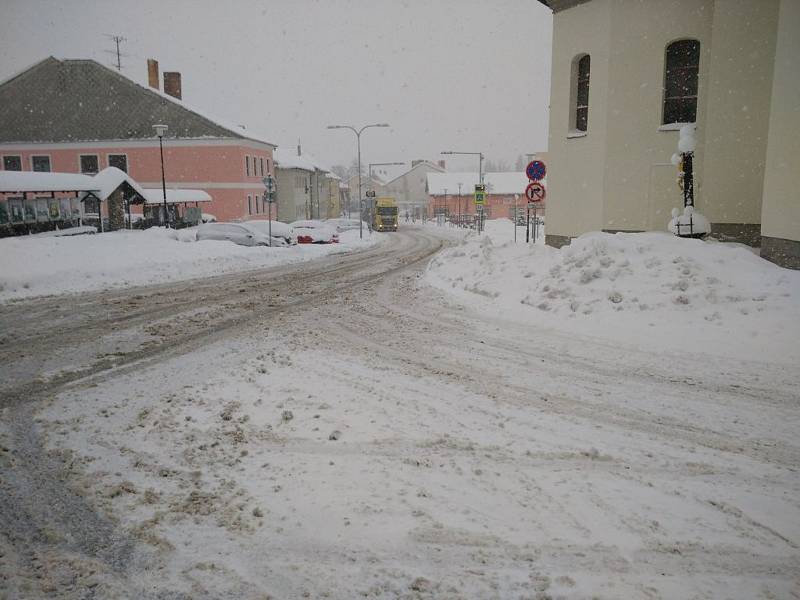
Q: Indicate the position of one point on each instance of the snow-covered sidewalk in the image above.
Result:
(649, 289)
(44, 265)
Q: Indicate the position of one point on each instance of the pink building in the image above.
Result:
(453, 194)
(78, 116)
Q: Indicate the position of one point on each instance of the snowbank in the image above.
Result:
(41, 265)
(645, 288)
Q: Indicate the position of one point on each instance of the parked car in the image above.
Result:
(238, 233)
(315, 232)
(279, 229)
(343, 224)
(208, 218)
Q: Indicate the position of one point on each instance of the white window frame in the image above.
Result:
(249, 204)
(247, 165)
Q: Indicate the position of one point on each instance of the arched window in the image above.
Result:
(682, 64)
(582, 93)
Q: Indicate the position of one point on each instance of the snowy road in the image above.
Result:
(340, 429)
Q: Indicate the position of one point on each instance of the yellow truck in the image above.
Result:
(384, 217)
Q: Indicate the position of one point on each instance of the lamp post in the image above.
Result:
(358, 143)
(459, 204)
(160, 131)
(480, 165)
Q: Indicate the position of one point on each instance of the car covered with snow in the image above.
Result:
(279, 230)
(238, 233)
(315, 232)
(342, 224)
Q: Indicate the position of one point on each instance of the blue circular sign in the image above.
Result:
(536, 170)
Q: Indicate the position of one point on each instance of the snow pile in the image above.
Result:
(649, 288)
(41, 265)
(690, 223)
(686, 140)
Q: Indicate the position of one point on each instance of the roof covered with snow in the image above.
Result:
(175, 196)
(83, 100)
(286, 158)
(496, 183)
(101, 185)
(426, 164)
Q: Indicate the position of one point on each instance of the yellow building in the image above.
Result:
(626, 74)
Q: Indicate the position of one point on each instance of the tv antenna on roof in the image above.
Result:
(117, 40)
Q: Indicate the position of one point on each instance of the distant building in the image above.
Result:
(294, 176)
(410, 189)
(307, 189)
(454, 193)
(627, 75)
(375, 184)
(78, 116)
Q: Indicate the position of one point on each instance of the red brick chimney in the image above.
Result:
(172, 84)
(152, 73)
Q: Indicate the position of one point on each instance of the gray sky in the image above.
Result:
(470, 75)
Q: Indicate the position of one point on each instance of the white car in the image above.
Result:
(279, 230)
(345, 224)
(315, 232)
(237, 233)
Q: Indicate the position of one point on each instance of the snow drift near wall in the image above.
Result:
(648, 288)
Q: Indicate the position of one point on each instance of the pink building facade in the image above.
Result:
(78, 116)
(230, 171)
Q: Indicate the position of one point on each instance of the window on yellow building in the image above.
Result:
(582, 93)
(681, 68)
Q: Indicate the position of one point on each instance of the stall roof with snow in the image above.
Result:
(175, 196)
(101, 185)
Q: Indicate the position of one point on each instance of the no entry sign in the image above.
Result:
(535, 192)
(536, 170)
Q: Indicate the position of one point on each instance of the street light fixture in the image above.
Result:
(480, 161)
(358, 142)
(160, 131)
(480, 170)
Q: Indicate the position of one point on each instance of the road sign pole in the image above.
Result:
(514, 218)
(528, 225)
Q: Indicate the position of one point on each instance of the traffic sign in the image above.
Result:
(536, 170)
(370, 193)
(480, 194)
(535, 192)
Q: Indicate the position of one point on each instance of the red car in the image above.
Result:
(314, 232)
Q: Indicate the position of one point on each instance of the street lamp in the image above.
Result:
(480, 170)
(160, 131)
(459, 203)
(358, 142)
(480, 161)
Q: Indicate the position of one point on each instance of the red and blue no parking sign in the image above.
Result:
(536, 170)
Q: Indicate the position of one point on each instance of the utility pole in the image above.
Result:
(117, 39)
